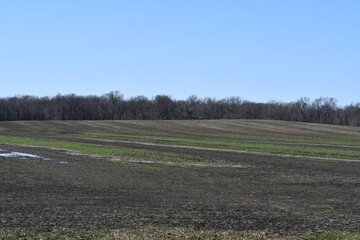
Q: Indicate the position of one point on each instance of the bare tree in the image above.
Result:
(303, 105)
(113, 106)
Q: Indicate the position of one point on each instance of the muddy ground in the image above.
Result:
(271, 193)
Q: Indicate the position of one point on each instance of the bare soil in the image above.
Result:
(273, 193)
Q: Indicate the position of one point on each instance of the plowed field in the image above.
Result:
(276, 177)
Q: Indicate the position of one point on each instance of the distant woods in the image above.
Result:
(113, 106)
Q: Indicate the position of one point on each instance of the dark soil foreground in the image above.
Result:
(284, 195)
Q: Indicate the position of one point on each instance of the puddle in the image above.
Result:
(21, 155)
(63, 162)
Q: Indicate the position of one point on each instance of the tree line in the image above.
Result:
(113, 106)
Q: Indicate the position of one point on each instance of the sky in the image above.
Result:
(259, 50)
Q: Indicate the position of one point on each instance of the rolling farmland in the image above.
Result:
(224, 178)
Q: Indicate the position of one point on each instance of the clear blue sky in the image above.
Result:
(259, 50)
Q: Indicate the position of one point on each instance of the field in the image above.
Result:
(220, 179)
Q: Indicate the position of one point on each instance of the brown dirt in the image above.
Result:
(279, 194)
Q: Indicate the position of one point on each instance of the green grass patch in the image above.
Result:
(93, 149)
(182, 139)
(332, 236)
(355, 142)
(257, 147)
(188, 138)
